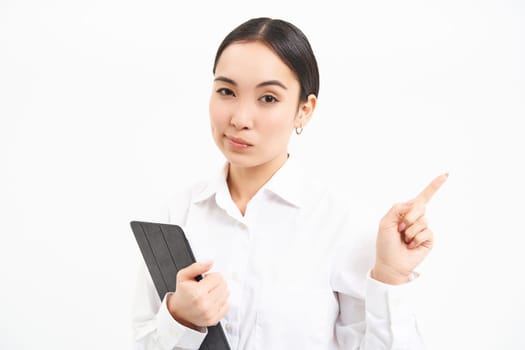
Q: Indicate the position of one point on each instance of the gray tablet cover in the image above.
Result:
(166, 250)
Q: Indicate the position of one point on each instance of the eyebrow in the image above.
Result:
(264, 83)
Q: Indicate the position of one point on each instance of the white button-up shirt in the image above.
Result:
(297, 271)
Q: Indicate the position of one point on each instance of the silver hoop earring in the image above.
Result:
(298, 131)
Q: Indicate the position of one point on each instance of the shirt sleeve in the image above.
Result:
(383, 320)
(153, 326)
(373, 315)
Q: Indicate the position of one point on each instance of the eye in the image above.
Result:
(268, 99)
(225, 92)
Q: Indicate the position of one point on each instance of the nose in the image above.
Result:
(242, 116)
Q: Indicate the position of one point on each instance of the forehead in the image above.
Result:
(252, 63)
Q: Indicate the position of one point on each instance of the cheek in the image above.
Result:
(281, 121)
(219, 113)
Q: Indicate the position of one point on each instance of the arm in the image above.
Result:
(153, 326)
(377, 314)
(163, 324)
(382, 318)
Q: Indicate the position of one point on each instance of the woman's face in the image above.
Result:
(254, 105)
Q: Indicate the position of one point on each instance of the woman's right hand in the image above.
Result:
(199, 304)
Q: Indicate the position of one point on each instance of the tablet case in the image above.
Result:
(166, 250)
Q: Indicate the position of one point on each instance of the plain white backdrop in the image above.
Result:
(104, 114)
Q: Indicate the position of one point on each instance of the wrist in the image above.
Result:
(176, 317)
(388, 275)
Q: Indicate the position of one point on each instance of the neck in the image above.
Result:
(244, 182)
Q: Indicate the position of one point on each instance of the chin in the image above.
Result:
(250, 161)
(242, 161)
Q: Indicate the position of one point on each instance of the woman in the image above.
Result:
(288, 272)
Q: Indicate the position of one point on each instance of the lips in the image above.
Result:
(239, 142)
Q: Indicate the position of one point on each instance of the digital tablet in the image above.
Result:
(166, 250)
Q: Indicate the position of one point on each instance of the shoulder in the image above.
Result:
(202, 187)
(180, 200)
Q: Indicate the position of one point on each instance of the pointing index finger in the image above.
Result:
(432, 188)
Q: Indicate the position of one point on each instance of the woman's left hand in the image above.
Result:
(404, 239)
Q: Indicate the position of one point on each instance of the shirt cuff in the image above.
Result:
(172, 333)
(391, 302)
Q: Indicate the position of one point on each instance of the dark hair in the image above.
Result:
(288, 42)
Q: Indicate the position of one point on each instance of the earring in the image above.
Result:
(298, 131)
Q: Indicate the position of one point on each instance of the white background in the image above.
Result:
(104, 112)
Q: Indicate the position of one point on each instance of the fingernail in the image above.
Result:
(412, 201)
(402, 226)
(412, 245)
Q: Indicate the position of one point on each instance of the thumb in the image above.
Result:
(194, 270)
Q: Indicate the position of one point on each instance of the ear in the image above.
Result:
(305, 111)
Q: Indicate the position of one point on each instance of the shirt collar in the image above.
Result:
(212, 186)
(287, 183)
